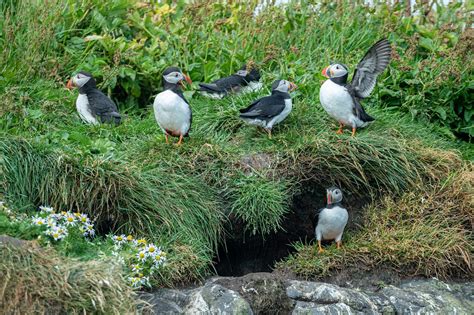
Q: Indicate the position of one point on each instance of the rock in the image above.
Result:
(264, 293)
(347, 301)
(430, 296)
(208, 299)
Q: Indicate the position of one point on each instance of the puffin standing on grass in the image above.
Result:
(331, 220)
(340, 99)
(270, 110)
(93, 106)
(243, 81)
(172, 111)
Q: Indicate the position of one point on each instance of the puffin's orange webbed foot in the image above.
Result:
(339, 131)
(180, 140)
(353, 131)
(166, 138)
(320, 248)
(339, 244)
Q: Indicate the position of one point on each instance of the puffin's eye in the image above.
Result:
(176, 75)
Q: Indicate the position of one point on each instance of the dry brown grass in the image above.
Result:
(36, 280)
(428, 231)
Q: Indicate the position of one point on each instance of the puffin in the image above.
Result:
(172, 111)
(270, 110)
(331, 220)
(340, 99)
(243, 81)
(93, 106)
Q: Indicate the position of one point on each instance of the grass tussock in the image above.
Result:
(260, 203)
(38, 281)
(426, 232)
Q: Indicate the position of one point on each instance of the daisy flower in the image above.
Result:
(89, 229)
(39, 221)
(56, 235)
(70, 220)
(135, 281)
(136, 267)
(142, 255)
(152, 250)
(83, 218)
(159, 259)
(130, 238)
(119, 239)
(46, 209)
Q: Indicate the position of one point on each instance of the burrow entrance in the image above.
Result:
(244, 253)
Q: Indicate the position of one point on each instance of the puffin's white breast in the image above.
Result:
(172, 113)
(338, 103)
(281, 116)
(82, 106)
(331, 222)
(253, 86)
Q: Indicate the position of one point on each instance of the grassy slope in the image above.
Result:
(184, 196)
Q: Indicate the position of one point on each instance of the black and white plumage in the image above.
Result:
(331, 220)
(172, 111)
(270, 110)
(340, 99)
(92, 105)
(243, 81)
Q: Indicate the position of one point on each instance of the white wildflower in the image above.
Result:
(39, 221)
(46, 209)
(142, 255)
(151, 249)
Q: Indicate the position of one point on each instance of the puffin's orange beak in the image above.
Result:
(293, 86)
(188, 80)
(325, 72)
(329, 198)
(70, 84)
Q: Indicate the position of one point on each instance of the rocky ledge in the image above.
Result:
(264, 293)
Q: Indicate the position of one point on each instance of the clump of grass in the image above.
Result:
(426, 232)
(166, 205)
(37, 280)
(259, 202)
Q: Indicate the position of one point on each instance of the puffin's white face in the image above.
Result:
(285, 86)
(334, 195)
(80, 79)
(242, 73)
(174, 77)
(334, 71)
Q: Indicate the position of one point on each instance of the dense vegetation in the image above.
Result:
(189, 198)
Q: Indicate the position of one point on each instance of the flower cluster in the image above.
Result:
(143, 260)
(59, 225)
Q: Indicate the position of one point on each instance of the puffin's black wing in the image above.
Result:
(223, 85)
(103, 107)
(374, 62)
(265, 108)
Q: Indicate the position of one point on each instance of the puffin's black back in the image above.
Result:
(99, 103)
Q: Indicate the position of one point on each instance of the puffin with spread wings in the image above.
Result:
(340, 99)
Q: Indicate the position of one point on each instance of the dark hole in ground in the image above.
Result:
(245, 254)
